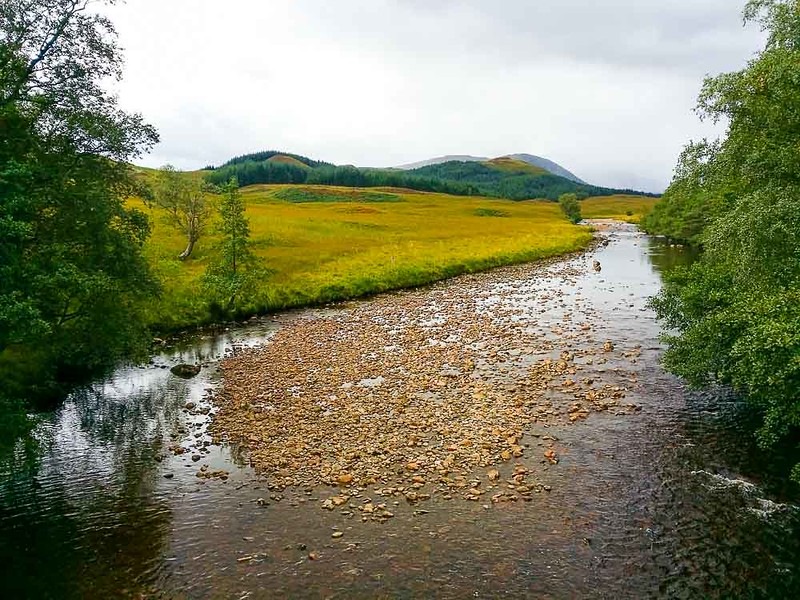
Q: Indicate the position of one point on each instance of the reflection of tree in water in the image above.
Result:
(663, 257)
(80, 512)
(84, 518)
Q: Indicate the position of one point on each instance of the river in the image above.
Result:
(672, 501)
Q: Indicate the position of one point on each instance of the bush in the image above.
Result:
(570, 207)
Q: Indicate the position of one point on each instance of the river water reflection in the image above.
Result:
(675, 501)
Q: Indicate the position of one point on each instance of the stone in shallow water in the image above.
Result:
(185, 371)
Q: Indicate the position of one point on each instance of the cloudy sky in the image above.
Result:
(604, 87)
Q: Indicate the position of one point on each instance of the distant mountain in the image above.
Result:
(537, 161)
(547, 165)
(516, 177)
(442, 159)
(507, 177)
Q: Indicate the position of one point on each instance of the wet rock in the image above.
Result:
(185, 371)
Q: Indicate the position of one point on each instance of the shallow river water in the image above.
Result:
(673, 501)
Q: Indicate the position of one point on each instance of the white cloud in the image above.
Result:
(604, 88)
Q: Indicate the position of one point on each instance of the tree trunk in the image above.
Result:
(189, 247)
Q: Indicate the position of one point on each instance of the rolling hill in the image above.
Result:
(442, 159)
(537, 161)
(547, 165)
(514, 177)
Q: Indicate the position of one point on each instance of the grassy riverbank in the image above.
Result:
(620, 207)
(324, 243)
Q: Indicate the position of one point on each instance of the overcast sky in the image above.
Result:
(606, 88)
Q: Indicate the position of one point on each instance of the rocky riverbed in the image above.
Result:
(443, 392)
(478, 438)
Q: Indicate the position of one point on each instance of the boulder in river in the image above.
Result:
(185, 371)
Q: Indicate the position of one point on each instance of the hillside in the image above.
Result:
(547, 165)
(270, 154)
(287, 160)
(536, 161)
(512, 165)
(512, 179)
(442, 159)
(503, 177)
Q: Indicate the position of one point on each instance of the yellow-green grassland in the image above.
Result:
(323, 243)
(621, 207)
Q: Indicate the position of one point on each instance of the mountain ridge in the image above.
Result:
(531, 159)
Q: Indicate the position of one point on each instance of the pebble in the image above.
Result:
(419, 393)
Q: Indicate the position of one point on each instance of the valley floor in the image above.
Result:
(323, 243)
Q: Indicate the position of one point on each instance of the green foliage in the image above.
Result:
(72, 273)
(570, 207)
(185, 203)
(490, 212)
(736, 312)
(321, 194)
(250, 172)
(235, 270)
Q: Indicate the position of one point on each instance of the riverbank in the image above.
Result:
(317, 251)
(672, 500)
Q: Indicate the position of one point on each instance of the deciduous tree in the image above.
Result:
(570, 207)
(72, 272)
(736, 310)
(185, 200)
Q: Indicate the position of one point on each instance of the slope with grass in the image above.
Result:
(621, 207)
(518, 177)
(510, 178)
(288, 160)
(338, 243)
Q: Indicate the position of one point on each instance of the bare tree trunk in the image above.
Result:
(189, 247)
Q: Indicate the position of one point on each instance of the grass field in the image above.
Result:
(320, 251)
(623, 208)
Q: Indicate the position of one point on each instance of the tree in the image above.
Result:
(737, 310)
(570, 207)
(72, 273)
(185, 201)
(234, 271)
